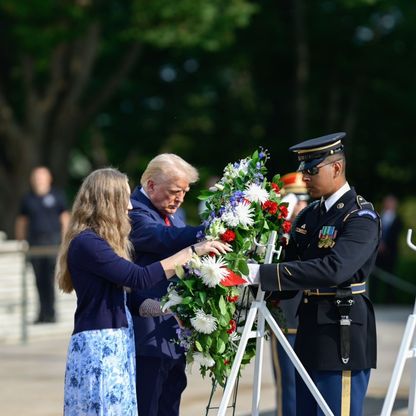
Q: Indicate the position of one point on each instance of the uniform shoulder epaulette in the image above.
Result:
(363, 203)
(365, 208)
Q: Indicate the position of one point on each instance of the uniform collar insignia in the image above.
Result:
(340, 205)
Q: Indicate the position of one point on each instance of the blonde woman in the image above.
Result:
(94, 260)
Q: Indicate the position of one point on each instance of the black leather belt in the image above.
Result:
(355, 288)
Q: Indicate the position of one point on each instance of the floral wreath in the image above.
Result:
(241, 209)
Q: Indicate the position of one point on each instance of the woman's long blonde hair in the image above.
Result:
(101, 206)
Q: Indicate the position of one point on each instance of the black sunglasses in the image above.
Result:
(315, 169)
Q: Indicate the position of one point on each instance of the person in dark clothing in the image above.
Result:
(330, 256)
(388, 251)
(158, 231)
(42, 220)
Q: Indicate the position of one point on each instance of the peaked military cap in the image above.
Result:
(312, 152)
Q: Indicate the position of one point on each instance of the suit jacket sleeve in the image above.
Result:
(355, 245)
(148, 235)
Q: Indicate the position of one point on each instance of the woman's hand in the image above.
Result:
(212, 246)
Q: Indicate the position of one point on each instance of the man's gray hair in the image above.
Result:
(168, 166)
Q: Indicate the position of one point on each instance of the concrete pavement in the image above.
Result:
(31, 376)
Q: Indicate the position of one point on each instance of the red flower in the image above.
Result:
(226, 362)
(232, 279)
(284, 212)
(270, 207)
(228, 236)
(287, 225)
(233, 326)
(232, 299)
(275, 187)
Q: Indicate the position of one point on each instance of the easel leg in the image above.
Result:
(398, 368)
(238, 358)
(295, 360)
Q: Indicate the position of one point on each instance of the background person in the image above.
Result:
(94, 261)
(388, 251)
(157, 232)
(42, 221)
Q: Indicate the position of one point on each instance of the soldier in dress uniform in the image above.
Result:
(330, 256)
(294, 192)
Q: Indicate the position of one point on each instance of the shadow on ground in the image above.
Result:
(372, 406)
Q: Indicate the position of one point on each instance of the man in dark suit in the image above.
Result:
(157, 232)
(330, 255)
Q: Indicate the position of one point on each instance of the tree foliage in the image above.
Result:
(117, 82)
(61, 62)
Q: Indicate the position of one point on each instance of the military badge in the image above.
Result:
(301, 229)
(327, 236)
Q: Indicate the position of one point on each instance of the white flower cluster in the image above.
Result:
(213, 270)
(255, 193)
(203, 360)
(240, 214)
(216, 228)
(174, 299)
(233, 170)
(204, 322)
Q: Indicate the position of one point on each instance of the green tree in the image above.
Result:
(61, 62)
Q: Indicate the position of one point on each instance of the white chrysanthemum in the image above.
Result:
(230, 218)
(213, 270)
(174, 299)
(203, 360)
(255, 193)
(216, 228)
(204, 322)
(244, 213)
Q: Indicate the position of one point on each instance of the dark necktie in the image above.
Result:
(167, 221)
(322, 208)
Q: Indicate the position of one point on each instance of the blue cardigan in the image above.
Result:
(98, 275)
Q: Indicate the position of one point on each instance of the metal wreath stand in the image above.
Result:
(259, 309)
(407, 350)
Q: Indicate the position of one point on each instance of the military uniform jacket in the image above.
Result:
(337, 248)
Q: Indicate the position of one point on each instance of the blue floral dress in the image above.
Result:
(100, 373)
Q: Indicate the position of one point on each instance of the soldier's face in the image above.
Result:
(167, 196)
(322, 183)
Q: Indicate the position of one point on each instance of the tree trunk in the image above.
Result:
(53, 117)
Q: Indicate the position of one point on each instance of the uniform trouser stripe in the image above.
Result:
(346, 393)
